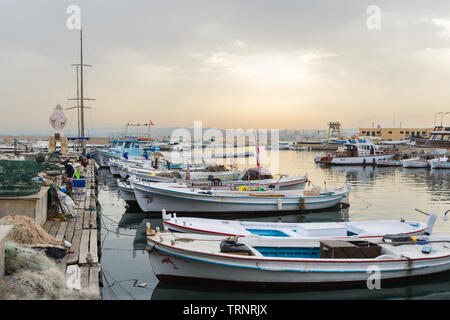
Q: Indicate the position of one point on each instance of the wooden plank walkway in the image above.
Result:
(82, 264)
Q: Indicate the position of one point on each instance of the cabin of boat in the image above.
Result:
(358, 153)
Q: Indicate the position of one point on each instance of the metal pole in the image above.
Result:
(78, 102)
(442, 116)
(82, 93)
(435, 116)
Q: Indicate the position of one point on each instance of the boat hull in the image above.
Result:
(170, 263)
(440, 165)
(360, 161)
(114, 169)
(152, 199)
(415, 164)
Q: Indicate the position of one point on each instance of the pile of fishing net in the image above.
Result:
(31, 275)
(31, 272)
(27, 232)
(16, 178)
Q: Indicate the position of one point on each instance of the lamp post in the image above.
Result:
(435, 116)
(442, 116)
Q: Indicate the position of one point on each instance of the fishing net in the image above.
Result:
(16, 178)
(27, 232)
(48, 161)
(31, 275)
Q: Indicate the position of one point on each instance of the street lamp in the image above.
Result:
(442, 116)
(435, 116)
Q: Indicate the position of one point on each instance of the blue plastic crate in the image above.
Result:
(79, 183)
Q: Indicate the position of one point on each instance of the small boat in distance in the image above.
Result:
(440, 164)
(425, 162)
(394, 162)
(357, 153)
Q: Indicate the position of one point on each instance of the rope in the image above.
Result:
(118, 233)
(369, 204)
(118, 282)
(111, 291)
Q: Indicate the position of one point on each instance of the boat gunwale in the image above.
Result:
(335, 193)
(262, 258)
(241, 235)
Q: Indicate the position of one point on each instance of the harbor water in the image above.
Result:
(377, 193)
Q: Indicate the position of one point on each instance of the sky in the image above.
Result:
(285, 64)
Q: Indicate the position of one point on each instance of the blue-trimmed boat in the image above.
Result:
(179, 197)
(281, 261)
(127, 148)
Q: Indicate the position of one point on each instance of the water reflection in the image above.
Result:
(377, 193)
(433, 287)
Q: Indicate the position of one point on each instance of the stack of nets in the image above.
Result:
(48, 161)
(27, 232)
(30, 273)
(16, 178)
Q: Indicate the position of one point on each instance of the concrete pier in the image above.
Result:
(33, 206)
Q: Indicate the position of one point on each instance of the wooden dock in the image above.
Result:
(82, 264)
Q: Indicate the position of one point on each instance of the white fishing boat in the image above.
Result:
(394, 163)
(311, 230)
(281, 261)
(7, 148)
(114, 166)
(415, 163)
(127, 192)
(152, 175)
(244, 154)
(153, 197)
(422, 163)
(440, 164)
(298, 148)
(440, 161)
(279, 146)
(355, 153)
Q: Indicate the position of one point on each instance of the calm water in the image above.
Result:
(377, 193)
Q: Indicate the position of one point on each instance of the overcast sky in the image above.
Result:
(231, 64)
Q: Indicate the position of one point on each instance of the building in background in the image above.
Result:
(396, 134)
(440, 138)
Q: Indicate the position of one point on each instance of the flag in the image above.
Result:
(151, 123)
(257, 148)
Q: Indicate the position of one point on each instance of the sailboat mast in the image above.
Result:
(78, 102)
(82, 94)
